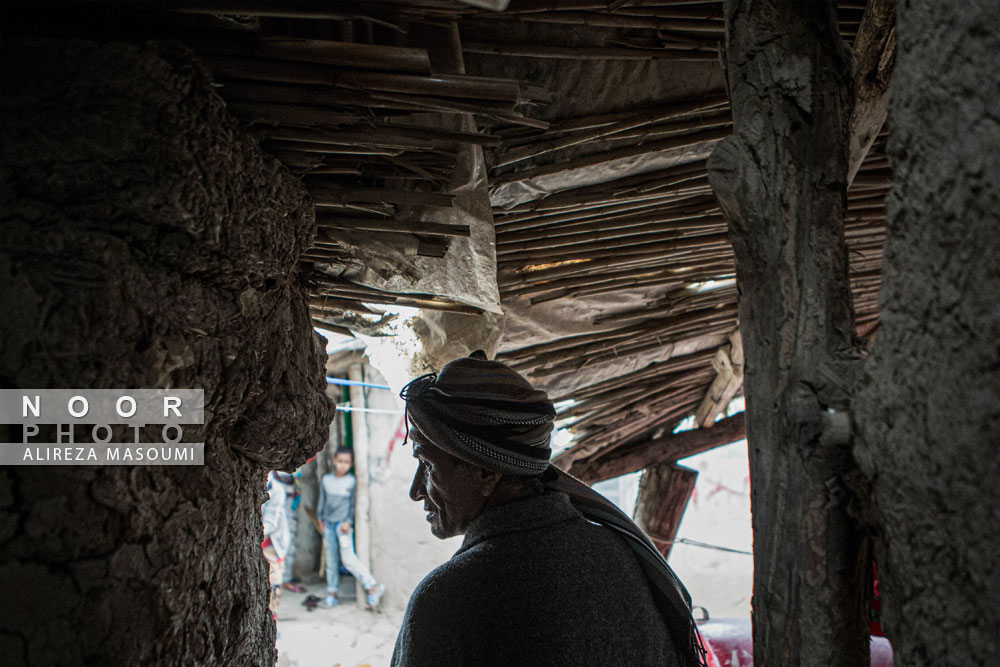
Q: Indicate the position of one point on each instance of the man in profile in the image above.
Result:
(549, 572)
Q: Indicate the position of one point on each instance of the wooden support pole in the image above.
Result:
(781, 181)
(875, 52)
(664, 492)
(360, 434)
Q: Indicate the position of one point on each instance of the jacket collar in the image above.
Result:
(540, 511)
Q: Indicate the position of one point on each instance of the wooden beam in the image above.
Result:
(672, 143)
(781, 180)
(329, 224)
(653, 452)
(664, 493)
(875, 56)
(728, 363)
(627, 121)
(332, 194)
(676, 54)
(325, 304)
(361, 429)
(349, 55)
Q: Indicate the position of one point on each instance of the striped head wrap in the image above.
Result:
(485, 413)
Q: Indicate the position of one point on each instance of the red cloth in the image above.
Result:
(875, 623)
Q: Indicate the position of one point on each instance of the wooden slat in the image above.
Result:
(673, 143)
(348, 55)
(728, 364)
(647, 453)
(330, 194)
(592, 53)
(384, 225)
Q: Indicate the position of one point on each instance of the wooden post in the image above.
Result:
(781, 180)
(663, 496)
(359, 424)
(728, 365)
(875, 54)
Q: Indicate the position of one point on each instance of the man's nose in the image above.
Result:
(417, 490)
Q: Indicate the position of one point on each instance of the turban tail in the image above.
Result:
(671, 597)
(485, 413)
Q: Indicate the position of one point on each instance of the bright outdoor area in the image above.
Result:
(711, 552)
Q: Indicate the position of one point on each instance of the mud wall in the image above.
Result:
(929, 414)
(403, 551)
(146, 242)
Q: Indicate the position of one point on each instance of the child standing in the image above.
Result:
(335, 512)
(276, 538)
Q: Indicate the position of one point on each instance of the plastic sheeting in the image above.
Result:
(587, 87)
(519, 192)
(422, 343)
(582, 88)
(561, 318)
(467, 272)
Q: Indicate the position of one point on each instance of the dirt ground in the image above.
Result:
(344, 636)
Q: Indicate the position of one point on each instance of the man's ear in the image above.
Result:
(489, 481)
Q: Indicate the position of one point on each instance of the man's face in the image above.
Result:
(453, 492)
(342, 463)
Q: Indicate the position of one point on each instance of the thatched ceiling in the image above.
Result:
(595, 119)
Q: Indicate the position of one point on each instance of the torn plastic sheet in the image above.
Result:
(533, 324)
(422, 342)
(588, 87)
(574, 316)
(563, 383)
(467, 272)
(509, 195)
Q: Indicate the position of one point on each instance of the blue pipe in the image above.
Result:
(355, 383)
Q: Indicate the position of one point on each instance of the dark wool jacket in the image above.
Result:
(535, 584)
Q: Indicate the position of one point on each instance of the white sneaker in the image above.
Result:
(375, 596)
